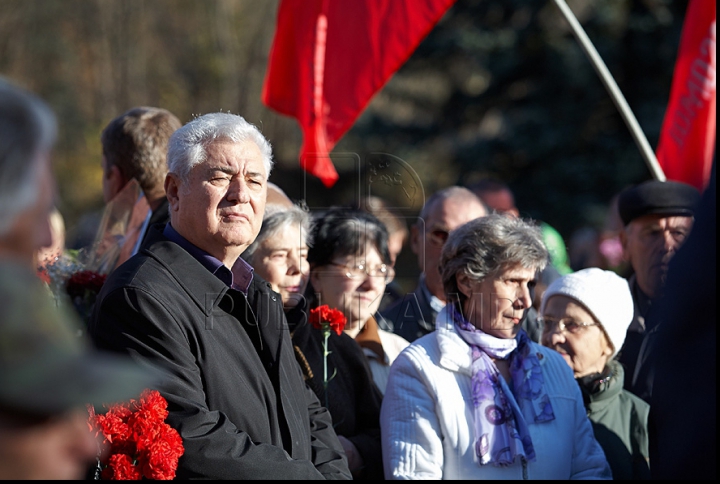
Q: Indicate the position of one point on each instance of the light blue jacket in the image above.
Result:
(427, 418)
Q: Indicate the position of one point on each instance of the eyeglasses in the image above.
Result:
(438, 237)
(360, 270)
(573, 327)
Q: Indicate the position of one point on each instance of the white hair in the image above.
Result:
(187, 146)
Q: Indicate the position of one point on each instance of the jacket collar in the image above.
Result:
(204, 287)
(455, 353)
(369, 339)
(606, 391)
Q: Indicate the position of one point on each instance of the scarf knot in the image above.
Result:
(501, 431)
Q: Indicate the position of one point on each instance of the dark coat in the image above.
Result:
(160, 216)
(683, 412)
(235, 392)
(411, 317)
(353, 398)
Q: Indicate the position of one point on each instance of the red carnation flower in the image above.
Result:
(82, 282)
(323, 317)
(121, 468)
(142, 445)
(327, 320)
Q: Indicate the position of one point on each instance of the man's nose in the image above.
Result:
(238, 191)
(670, 243)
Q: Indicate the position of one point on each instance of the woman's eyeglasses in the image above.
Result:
(564, 324)
(360, 270)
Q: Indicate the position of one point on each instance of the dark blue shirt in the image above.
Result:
(239, 278)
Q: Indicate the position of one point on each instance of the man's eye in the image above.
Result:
(679, 234)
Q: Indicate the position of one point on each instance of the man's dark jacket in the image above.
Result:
(235, 392)
(160, 215)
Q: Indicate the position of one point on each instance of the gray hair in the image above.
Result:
(28, 128)
(452, 192)
(486, 246)
(187, 146)
(276, 222)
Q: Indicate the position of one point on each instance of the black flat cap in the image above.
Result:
(667, 198)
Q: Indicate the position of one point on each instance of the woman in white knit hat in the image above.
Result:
(585, 316)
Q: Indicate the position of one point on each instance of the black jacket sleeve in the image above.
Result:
(227, 435)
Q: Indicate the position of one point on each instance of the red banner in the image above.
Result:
(687, 140)
(329, 58)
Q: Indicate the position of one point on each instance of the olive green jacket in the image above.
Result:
(620, 422)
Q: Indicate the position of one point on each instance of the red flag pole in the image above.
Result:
(607, 79)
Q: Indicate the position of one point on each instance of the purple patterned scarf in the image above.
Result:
(500, 429)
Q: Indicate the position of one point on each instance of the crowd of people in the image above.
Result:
(502, 363)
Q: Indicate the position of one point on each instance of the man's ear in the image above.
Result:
(172, 187)
(464, 284)
(624, 243)
(415, 239)
(417, 245)
(115, 181)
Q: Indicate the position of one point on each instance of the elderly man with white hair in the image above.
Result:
(188, 303)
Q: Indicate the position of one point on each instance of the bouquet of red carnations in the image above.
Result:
(141, 444)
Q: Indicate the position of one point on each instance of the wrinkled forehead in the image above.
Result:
(662, 221)
(244, 153)
(285, 236)
(518, 271)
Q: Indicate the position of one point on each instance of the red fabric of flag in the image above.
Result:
(330, 57)
(687, 139)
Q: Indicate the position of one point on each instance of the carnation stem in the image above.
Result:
(326, 334)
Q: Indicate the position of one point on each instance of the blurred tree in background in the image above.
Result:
(499, 87)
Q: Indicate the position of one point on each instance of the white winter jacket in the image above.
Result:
(427, 418)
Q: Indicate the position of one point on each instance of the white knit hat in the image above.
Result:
(605, 294)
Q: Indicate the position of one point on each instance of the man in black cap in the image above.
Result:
(657, 218)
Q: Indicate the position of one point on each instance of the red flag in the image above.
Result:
(687, 140)
(329, 58)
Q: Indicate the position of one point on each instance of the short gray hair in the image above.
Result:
(452, 192)
(187, 146)
(28, 128)
(488, 245)
(273, 224)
